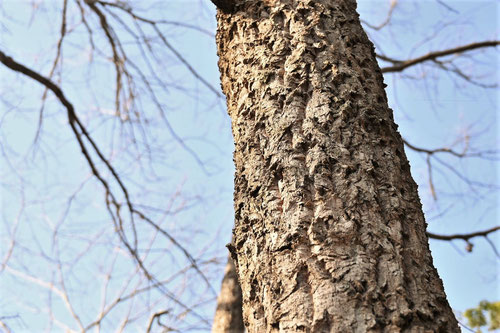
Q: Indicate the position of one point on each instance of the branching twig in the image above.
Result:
(54, 66)
(387, 19)
(77, 126)
(129, 10)
(467, 237)
(112, 39)
(157, 317)
(400, 65)
(180, 57)
(449, 151)
(464, 237)
(464, 154)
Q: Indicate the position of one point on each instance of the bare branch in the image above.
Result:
(387, 19)
(77, 125)
(449, 151)
(54, 66)
(112, 39)
(448, 7)
(487, 155)
(431, 183)
(465, 237)
(400, 65)
(129, 10)
(4, 325)
(179, 56)
(457, 71)
(157, 317)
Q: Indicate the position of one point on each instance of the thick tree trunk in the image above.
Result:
(329, 232)
(228, 315)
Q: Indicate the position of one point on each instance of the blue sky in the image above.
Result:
(433, 110)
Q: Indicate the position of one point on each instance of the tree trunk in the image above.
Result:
(329, 231)
(228, 317)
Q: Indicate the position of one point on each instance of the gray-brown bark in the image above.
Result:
(329, 231)
(228, 315)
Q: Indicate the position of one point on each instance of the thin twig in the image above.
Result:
(400, 65)
(387, 19)
(76, 125)
(464, 237)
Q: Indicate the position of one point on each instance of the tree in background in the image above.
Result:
(120, 70)
(477, 317)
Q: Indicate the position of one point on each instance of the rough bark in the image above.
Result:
(228, 315)
(329, 231)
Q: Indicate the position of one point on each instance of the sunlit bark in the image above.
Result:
(329, 231)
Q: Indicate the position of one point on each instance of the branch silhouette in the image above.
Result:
(81, 132)
(400, 65)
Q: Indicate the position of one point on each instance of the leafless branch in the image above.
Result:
(463, 236)
(431, 155)
(156, 316)
(179, 56)
(128, 9)
(467, 237)
(387, 19)
(112, 39)
(79, 130)
(4, 325)
(400, 65)
(125, 68)
(448, 7)
(452, 68)
(54, 66)
(484, 154)
(431, 183)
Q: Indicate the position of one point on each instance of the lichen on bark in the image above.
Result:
(329, 231)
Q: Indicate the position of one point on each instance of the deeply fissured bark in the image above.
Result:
(329, 231)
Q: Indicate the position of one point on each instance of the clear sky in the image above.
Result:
(193, 177)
